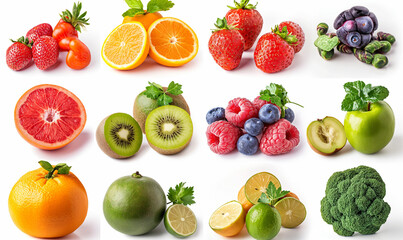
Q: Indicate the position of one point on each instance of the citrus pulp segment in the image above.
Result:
(49, 116)
(257, 184)
(292, 212)
(172, 42)
(126, 47)
(180, 221)
(229, 219)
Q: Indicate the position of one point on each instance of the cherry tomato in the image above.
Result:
(79, 56)
(63, 32)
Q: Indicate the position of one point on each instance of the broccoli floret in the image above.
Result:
(354, 201)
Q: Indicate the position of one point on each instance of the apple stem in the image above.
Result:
(369, 107)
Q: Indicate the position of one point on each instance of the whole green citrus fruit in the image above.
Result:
(134, 204)
(263, 221)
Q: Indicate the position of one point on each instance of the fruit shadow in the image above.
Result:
(71, 236)
(294, 233)
(246, 61)
(56, 65)
(79, 143)
(157, 232)
(394, 148)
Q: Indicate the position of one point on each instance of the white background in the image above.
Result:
(310, 81)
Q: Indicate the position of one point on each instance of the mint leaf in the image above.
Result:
(133, 12)
(153, 91)
(181, 194)
(264, 199)
(164, 100)
(174, 88)
(379, 93)
(276, 94)
(359, 95)
(272, 194)
(159, 5)
(134, 4)
(46, 165)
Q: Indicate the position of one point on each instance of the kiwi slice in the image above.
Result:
(119, 135)
(169, 129)
(144, 105)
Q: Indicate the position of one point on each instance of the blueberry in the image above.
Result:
(365, 24)
(289, 115)
(354, 39)
(254, 126)
(215, 114)
(365, 39)
(247, 144)
(269, 113)
(350, 26)
(342, 35)
(374, 20)
(359, 11)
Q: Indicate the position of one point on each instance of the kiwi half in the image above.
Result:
(144, 105)
(169, 129)
(119, 135)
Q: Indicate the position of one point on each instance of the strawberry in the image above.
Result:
(19, 54)
(45, 52)
(43, 29)
(296, 30)
(273, 52)
(247, 19)
(226, 45)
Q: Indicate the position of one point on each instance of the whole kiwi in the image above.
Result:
(144, 105)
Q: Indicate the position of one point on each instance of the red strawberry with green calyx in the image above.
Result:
(296, 30)
(274, 52)
(247, 19)
(19, 54)
(226, 45)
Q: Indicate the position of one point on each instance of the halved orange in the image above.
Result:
(257, 184)
(126, 47)
(49, 117)
(172, 42)
(243, 200)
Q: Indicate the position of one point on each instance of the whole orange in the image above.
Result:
(146, 19)
(48, 207)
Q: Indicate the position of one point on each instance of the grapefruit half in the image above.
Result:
(49, 116)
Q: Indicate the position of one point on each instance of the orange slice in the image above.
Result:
(172, 42)
(126, 47)
(257, 184)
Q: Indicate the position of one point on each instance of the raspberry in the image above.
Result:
(222, 137)
(279, 138)
(259, 103)
(239, 110)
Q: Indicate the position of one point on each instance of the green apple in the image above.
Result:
(370, 131)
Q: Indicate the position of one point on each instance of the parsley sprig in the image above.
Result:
(359, 96)
(272, 194)
(136, 7)
(181, 194)
(276, 94)
(156, 92)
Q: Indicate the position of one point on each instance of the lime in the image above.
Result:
(292, 212)
(229, 219)
(134, 205)
(180, 221)
(263, 221)
(257, 184)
